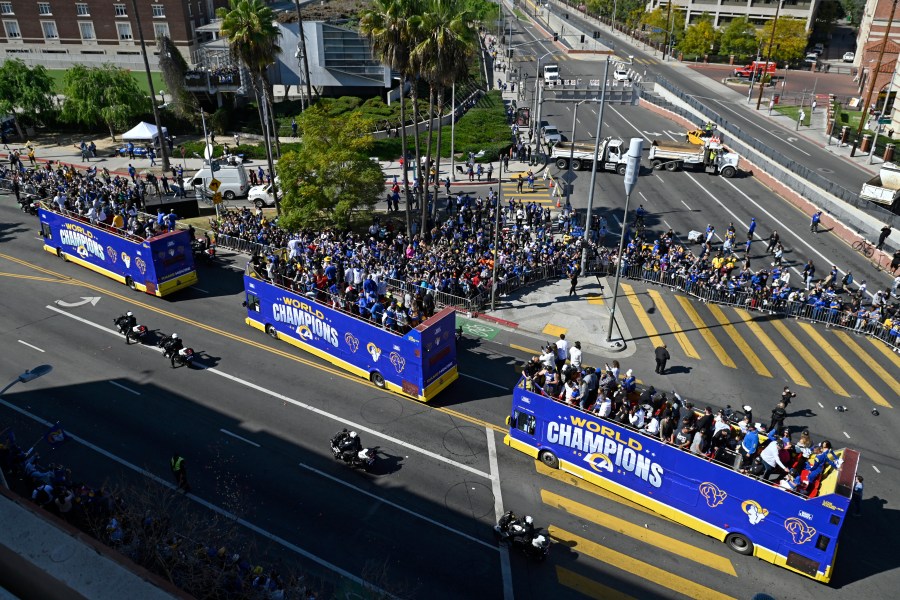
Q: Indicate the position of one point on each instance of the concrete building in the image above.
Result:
(60, 33)
(757, 11)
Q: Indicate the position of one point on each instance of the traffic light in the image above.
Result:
(582, 38)
(509, 53)
(555, 37)
(596, 34)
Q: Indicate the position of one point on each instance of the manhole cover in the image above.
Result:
(464, 441)
(471, 498)
(381, 410)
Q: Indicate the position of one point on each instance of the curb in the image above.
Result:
(497, 320)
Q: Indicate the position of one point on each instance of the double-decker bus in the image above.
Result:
(157, 265)
(418, 364)
(751, 516)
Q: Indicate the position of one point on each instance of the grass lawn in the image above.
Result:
(794, 113)
(139, 75)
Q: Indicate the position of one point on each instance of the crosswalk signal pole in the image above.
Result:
(496, 240)
(631, 177)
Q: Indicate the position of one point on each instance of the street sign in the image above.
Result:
(214, 184)
(569, 176)
(217, 198)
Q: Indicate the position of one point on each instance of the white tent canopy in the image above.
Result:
(143, 131)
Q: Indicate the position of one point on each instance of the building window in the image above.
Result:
(44, 8)
(87, 30)
(121, 11)
(82, 10)
(159, 11)
(6, 8)
(12, 30)
(50, 31)
(160, 30)
(124, 31)
(190, 11)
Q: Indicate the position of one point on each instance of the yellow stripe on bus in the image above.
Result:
(711, 341)
(626, 563)
(642, 315)
(588, 587)
(875, 367)
(674, 327)
(642, 534)
(773, 349)
(811, 360)
(749, 354)
(841, 362)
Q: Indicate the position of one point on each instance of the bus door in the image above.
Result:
(524, 422)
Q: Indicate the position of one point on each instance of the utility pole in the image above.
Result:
(163, 143)
(668, 29)
(768, 55)
(874, 76)
(496, 240)
(303, 54)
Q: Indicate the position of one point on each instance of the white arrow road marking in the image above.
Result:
(84, 300)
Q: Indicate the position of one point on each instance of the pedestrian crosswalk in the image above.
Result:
(642, 61)
(803, 354)
(542, 193)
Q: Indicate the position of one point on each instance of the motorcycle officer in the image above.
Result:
(172, 345)
(350, 446)
(126, 322)
(522, 530)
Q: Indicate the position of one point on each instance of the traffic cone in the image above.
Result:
(558, 205)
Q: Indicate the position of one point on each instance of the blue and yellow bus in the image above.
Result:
(751, 516)
(158, 265)
(417, 364)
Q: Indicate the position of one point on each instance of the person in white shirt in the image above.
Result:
(575, 356)
(604, 407)
(562, 351)
(636, 417)
(548, 358)
(771, 459)
(652, 427)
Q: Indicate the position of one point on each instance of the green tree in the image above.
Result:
(657, 25)
(331, 176)
(106, 94)
(827, 15)
(739, 38)
(249, 26)
(699, 38)
(174, 67)
(25, 92)
(853, 9)
(790, 39)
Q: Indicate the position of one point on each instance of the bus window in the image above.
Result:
(524, 422)
(46, 232)
(252, 302)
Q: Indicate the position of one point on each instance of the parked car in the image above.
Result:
(849, 57)
(811, 58)
(819, 48)
(621, 74)
(261, 195)
(551, 134)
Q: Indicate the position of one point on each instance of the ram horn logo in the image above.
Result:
(304, 332)
(799, 530)
(754, 511)
(713, 494)
(351, 341)
(127, 260)
(111, 254)
(82, 251)
(398, 361)
(141, 265)
(599, 462)
(374, 351)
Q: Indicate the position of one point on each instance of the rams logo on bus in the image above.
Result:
(111, 253)
(599, 461)
(754, 511)
(398, 361)
(352, 342)
(126, 260)
(141, 265)
(374, 351)
(713, 494)
(304, 332)
(308, 321)
(799, 530)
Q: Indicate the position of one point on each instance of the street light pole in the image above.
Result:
(572, 153)
(496, 239)
(452, 130)
(163, 148)
(768, 54)
(668, 29)
(29, 375)
(874, 76)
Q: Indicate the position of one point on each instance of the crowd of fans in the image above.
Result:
(730, 438)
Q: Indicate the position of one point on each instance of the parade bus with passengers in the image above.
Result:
(753, 517)
(418, 363)
(158, 265)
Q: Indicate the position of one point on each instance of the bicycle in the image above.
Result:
(864, 247)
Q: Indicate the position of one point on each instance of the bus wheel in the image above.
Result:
(130, 283)
(739, 543)
(271, 332)
(549, 459)
(61, 255)
(377, 379)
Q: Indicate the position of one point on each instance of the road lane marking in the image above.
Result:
(127, 389)
(588, 587)
(523, 349)
(810, 360)
(505, 568)
(485, 381)
(243, 439)
(652, 573)
(399, 507)
(674, 327)
(711, 341)
(846, 435)
(867, 360)
(201, 290)
(745, 349)
(642, 315)
(303, 405)
(642, 534)
(573, 480)
(209, 505)
(841, 362)
(24, 343)
(773, 349)
(876, 469)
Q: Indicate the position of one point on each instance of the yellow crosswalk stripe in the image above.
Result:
(884, 350)
(642, 534)
(574, 480)
(642, 315)
(688, 305)
(810, 360)
(588, 587)
(524, 349)
(644, 570)
(841, 362)
(773, 349)
(595, 299)
(875, 367)
(749, 354)
(674, 327)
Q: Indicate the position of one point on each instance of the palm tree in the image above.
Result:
(387, 26)
(443, 55)
(249, 26)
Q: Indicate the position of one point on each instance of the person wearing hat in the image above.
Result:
(786, 396)
(662, 357)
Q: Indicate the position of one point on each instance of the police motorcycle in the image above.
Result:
(203, 247)
(29, 204)
(521, 534)
(128, 326)
(346, 446)
(174, 350)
